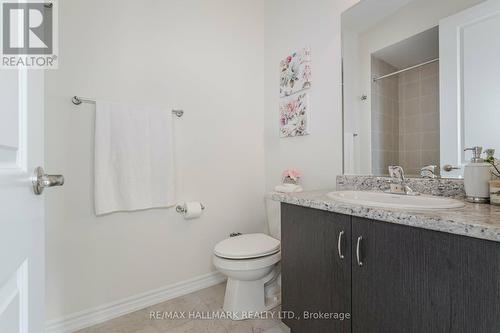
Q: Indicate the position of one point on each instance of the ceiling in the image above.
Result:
(412, 51)
(368, 13)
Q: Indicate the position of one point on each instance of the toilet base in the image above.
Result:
(243, 297)
(249, 298)
(253, 285)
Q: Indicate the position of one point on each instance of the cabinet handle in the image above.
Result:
(339, 244)
(358, 251)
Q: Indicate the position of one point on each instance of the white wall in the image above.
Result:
(206, 57)
(291, 25)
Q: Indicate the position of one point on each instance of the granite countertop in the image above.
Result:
(474, 220)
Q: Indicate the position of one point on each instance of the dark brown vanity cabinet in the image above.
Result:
(315, 278)
(392, 278)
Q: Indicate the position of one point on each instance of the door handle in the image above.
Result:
(450, 168)
(358, 251)
(339, 244)
(41, 180)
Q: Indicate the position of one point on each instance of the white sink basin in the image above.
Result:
(387, 200)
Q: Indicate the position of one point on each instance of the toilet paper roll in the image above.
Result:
(193, 210)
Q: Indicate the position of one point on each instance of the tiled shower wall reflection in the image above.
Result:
(419, 118)
(405, 118)
(385, 118)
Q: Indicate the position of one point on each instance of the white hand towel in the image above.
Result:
(288, 188)
(134, 158)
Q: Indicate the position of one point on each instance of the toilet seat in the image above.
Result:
(248, 264)
(248, 246)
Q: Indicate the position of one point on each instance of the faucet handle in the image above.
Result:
(428, 171)
(396, 171)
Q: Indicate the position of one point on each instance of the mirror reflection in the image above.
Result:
(419, 86)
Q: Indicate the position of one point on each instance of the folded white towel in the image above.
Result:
(288, 188)
(134, 158)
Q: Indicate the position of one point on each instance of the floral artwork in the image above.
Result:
(295, 76)
(294, 120)
(295, 72)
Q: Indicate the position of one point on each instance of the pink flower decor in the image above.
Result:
(291, 175)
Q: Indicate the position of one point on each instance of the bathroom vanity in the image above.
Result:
(412, 269)
(391, 270)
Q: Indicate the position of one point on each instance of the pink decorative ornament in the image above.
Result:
(291, 175)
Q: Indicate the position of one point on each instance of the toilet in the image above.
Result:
(251, 264)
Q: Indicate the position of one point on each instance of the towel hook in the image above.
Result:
(178, 113)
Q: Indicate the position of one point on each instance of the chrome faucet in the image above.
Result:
(398, 181)
(429, 172)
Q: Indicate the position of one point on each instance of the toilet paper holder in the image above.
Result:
(181, 209)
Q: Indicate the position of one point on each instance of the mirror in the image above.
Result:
(420, 84)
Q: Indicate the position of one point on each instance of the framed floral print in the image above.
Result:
(294, 116)
(295, 72)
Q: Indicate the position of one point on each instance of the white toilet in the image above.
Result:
(250, 263)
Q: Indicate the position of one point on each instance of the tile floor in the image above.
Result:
(206, 301)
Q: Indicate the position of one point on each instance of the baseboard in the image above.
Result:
(97, 315)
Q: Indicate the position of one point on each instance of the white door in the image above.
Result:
(21, 211)
(470, 83)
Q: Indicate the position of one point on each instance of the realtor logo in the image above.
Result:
(29, 34)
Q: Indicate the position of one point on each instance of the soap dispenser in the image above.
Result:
(477, 175)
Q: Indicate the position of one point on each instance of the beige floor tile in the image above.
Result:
(206, 301)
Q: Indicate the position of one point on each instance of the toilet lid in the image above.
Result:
(247, 246)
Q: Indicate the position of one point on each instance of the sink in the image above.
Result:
(387, 200)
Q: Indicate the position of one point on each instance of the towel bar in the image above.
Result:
(77, 100)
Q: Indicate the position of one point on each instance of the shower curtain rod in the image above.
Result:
(77, 100)
(405, 70)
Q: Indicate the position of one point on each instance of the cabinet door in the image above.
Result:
(403, 284)
(475, 281)
(314, 277)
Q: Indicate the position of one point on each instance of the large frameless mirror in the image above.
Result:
(420, 81)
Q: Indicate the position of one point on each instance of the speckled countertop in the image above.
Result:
(478, 221)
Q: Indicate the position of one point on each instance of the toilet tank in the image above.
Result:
(273, 214)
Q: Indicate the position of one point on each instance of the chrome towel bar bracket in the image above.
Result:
(77, 100)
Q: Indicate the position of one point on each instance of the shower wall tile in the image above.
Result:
(429, 140)
(429, 85)
(385, 118)
(429, 70)
(409, 76)
(429, 103)
(419, 118)
(409, 90)
(430, 157)
(405, 118)
(409, 107)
